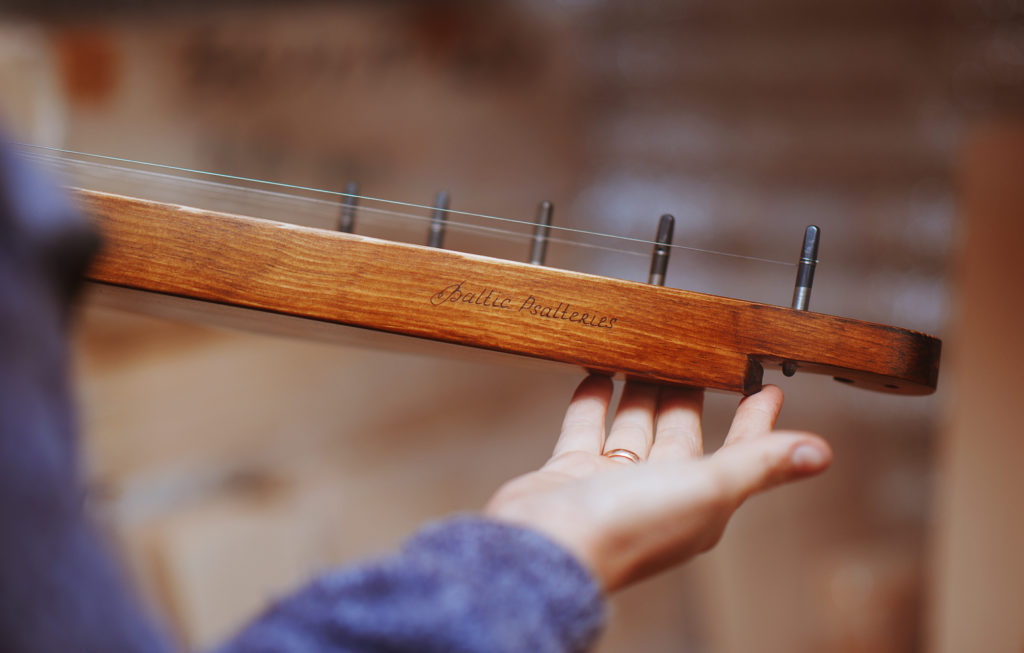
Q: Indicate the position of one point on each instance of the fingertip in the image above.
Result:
(593, 385)
(755, 415)
(769, 393)
(595, 380)
(810, 457)
(757, 464)
(768, 400)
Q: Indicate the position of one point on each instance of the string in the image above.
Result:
(413, 205)
(495, 231)
(507, 234)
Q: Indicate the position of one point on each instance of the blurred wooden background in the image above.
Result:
(892, 125)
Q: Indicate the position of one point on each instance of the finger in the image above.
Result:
(583, 426)
(756, 464)
(755, 415)
(677, 434)
(633, 426)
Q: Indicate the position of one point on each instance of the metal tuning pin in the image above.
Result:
(662, 248)
(347, 223)
(539, 248)
(438, 219)
(805, 269)
(804, 280)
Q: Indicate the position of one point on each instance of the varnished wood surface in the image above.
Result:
(602, 324)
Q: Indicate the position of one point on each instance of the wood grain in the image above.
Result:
(605, 325)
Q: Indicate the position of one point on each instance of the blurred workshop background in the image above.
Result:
(229, 465)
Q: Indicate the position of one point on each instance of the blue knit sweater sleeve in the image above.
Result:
(467, 585)
(463, 585)
(60, 589)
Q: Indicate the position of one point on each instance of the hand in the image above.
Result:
(626, 521)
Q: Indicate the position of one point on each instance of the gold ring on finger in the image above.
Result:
(625, 454)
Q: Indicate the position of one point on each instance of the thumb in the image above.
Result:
(750, 466)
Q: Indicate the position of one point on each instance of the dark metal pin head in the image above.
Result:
(809, 250)
(438, 218)
(539, 248)
(662, 249)
(347, 222)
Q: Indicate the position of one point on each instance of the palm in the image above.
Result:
(626, 520)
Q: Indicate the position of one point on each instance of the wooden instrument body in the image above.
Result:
(604, 325)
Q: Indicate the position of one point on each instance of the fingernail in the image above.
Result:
(808, 457)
